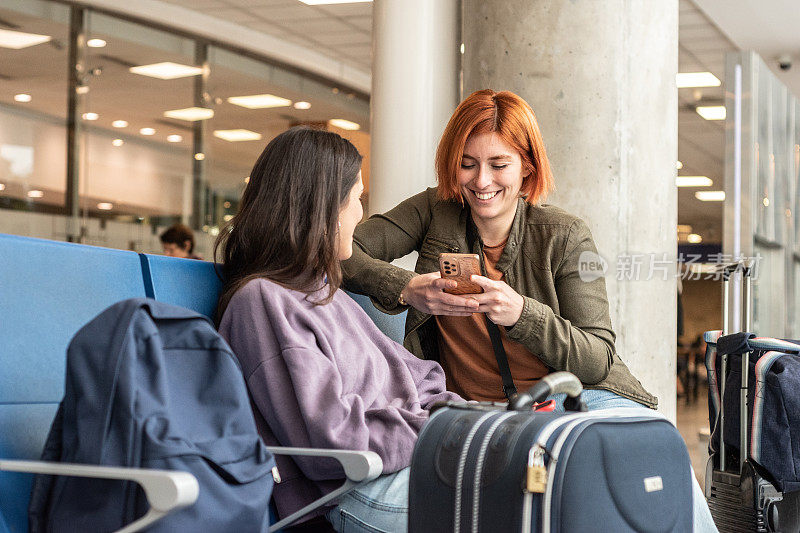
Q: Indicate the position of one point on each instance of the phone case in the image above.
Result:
(460, 267)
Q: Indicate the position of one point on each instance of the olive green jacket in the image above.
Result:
(565, 321)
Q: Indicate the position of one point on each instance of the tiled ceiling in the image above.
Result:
(343, 31)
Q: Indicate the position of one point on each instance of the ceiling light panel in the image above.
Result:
(344, 124)
(710, 196)
(95, 43)
(696, 79)
(190, 114)
(714, 112)
(166, 70)
(693, 181)
(237, 135)
(23, 98)
(327, 2)
(18, 40)
(259, 101)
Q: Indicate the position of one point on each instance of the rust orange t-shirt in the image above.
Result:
(466, 353)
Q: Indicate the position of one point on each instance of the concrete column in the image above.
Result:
(415, 65)
(600, 77)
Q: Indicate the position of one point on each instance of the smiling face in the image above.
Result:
(490, 178)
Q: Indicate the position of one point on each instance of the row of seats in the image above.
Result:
(49, 291)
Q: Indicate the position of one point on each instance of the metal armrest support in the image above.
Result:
(359, 467)
(166, 491)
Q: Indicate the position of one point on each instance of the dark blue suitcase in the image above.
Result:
(485, 467)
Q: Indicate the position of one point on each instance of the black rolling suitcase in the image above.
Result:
(488, 468)
(752, 479)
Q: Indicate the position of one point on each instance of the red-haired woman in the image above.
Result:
(493, 173)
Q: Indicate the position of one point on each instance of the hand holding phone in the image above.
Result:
(459, 267)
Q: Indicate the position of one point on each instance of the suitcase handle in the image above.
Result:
(554, 383)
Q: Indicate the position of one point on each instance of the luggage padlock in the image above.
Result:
(537, 472)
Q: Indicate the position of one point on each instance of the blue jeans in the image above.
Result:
(382, 504)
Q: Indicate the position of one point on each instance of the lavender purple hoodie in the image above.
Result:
(324, 376)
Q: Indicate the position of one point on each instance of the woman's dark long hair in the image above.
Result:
(286, 228)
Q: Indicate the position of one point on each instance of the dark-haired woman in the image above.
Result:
(319, 372)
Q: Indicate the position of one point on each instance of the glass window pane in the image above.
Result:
(33, 116)
(137, 164)
(765, 168)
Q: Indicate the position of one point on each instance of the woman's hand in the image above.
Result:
(426, 293)
(502, 304)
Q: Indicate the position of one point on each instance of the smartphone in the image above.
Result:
(460, 267)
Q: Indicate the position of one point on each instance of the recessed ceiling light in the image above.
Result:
(90, 116)
(247, 179)
(227, 218)
(174, 138)
(35, 194)
(344, 124)
(199, 156)
(765, 201)
(694, 238)
(2, 186)
(678, 165)
(190, 114)
(18, 39)
(105, 206)
(325, 2)
(166, 70)
(710, 196)
(696, 79)
(693, 181)
(120, 124)
(259, 101)
(237, 135)
(302, 105)
(712, 112)
(147, 131)
(82, 89)
(117, 142)
(24, 98)
(95, 43)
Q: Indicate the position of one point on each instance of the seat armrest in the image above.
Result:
(166, 491)
(359, 467)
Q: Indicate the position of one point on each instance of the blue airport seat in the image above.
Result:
(49, 290)
(185, 282)
(393, 326)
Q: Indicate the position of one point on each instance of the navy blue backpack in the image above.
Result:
(153, 385)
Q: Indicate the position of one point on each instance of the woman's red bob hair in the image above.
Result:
(510, 117)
